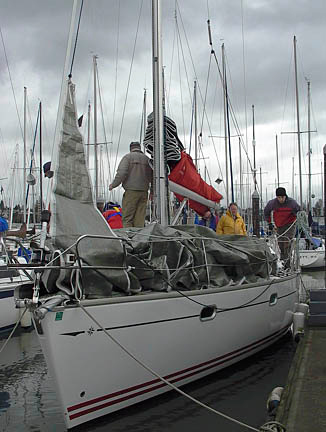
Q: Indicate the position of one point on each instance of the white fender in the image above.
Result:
(26, 320)
(302, 307)
(274, 398)
(298, 325)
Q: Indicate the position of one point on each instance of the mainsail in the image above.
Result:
(184, 178)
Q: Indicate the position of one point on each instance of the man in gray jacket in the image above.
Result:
(135, 175)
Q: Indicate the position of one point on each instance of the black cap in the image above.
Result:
(280, 191)
(135, 144)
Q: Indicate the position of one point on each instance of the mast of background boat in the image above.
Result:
(309, 152)
(240, 173)
(195, 121)
(254, 144)
(277, 167)
(88, 131)
(255, 195)
(144, 119)
(298, 116)
(225, 127)
(324, 150)
(24, 162)
(41, 162)
(160, 191)
(95, 131)
(293, 176)
(228, 131)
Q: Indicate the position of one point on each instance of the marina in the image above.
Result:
(138, 293)
(29, 403)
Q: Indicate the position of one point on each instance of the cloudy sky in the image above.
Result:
(258, 38)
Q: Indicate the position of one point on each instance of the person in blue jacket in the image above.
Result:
(208, 219)
(4, 229)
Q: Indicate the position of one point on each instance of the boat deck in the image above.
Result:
(303, 403)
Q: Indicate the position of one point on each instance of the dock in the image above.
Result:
(303, 403)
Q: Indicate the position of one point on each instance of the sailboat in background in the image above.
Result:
(125, 315)
(311, 250)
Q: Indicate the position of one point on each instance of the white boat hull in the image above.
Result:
(94, 376)
(312, 258)
(9, 314)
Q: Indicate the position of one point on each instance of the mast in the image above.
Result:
(41, 162)
(88, 131)
(261, 196)
(293, 176)
(225, 126)
(195, 113)
(309, 152)
(298, 116)
(95, 131)
(144, 119)
(160, 197)
(254, 144)
(241, 182)
(277, 167)
(24, 162)
(324, 206)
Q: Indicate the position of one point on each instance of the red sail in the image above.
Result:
(185, 174)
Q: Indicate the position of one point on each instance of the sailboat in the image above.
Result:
(311, 250)
(10, 278)
(126, 315)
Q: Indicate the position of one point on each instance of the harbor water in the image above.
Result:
(28, 401)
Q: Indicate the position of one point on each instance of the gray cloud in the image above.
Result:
(35, 34)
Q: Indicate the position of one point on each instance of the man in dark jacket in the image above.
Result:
(284, 211)
(208, 220)
(135, 175)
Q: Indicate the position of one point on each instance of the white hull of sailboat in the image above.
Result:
(94, 376)
(9, 314)
(312, 258)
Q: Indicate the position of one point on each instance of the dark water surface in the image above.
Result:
(28, 401)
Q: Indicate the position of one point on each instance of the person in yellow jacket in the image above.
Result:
(231, 222)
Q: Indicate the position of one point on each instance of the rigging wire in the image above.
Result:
(171, 63)
(200, 93)
(11, 82)
(128, 84)
(205, 97)
(233, 117)
(181, 94)
(104, 130)
(76, 39)
(244, 75)
(183, 58)
(116, 77)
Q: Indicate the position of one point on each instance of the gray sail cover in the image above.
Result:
(73, 212)
(158, 258)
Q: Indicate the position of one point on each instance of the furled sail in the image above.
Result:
(73, 212)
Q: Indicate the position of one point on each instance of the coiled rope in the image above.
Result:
(272, 426)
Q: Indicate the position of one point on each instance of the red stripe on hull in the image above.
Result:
(184, 375)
